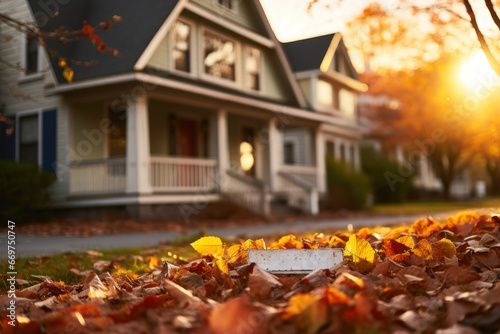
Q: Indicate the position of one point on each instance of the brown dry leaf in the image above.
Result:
(443, 248)
(262, 282)
(361, 253)
(238, 315)
(103, 265)
(183, 297)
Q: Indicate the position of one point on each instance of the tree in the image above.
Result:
(445, 16)
(433, 117)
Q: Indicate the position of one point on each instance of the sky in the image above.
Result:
(291, 21)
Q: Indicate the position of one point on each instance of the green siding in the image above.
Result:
(305, 86)
(160, 59)
(245, 15)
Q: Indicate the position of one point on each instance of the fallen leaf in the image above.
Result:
(361, 253)
(209, 246)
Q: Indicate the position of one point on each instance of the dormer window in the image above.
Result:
(181, 42)
(229, 4)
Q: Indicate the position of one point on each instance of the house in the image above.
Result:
(202, 103)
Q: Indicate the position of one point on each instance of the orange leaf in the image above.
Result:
(423, 249)
(290, 242)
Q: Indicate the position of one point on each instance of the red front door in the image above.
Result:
(188, 137)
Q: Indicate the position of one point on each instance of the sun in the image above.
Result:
(476, 71)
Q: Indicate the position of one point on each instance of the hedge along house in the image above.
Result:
(201, 104)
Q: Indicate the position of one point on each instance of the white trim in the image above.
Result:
(330, 53)
(237, 83)
(23, 76)
(160, 35)
(246, 74)
(336, 132)
(282, 58)
(193, 70)
(90, 83)
(230, 26)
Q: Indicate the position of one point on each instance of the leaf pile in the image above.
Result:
(430, 277)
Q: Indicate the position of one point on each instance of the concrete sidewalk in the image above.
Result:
(34, 245)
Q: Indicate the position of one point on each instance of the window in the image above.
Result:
(325, 94)
(181, 41)
(28, 139)
(347, 102)
(31, 55)
(219, 56)
(289, 153)
(252, 67)
(117, 140)
(229, 4)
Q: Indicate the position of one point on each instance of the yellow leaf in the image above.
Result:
(443, 248)
(209, 246)
(336, 242)
(153, 260)
(361, 253)
(68, 74)
(222, 265)
(423, 249)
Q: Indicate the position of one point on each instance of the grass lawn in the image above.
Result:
(435, 205)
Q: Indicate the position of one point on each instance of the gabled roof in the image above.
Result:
(307, 54)
(313, 53)
(131, 36)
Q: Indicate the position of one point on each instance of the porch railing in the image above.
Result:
(174, 174)
(247, 192)
(298, 184)
(98, 176)
(304, 173)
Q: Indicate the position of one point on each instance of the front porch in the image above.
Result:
(169, 152)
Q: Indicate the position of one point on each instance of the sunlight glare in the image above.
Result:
(476, 70)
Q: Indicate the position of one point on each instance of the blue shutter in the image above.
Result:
(7, 143)
(49, 137)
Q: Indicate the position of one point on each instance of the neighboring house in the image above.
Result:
(330, 85)
(425, 178)
(201, 104)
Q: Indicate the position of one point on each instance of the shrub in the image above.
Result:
(23, 190)
(377, 167)
(347, 188)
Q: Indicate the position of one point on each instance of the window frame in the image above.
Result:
(23, 76)
(237, 65)
(192, 49)
(27, 113)
(247, 48)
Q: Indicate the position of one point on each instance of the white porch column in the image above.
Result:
(138, 153)
(222, 147)
(274, 154)
(320, 160)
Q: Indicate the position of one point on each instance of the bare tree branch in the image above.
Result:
(495, 65)
(493, 13)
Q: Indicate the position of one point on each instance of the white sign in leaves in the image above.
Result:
(295, 261)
